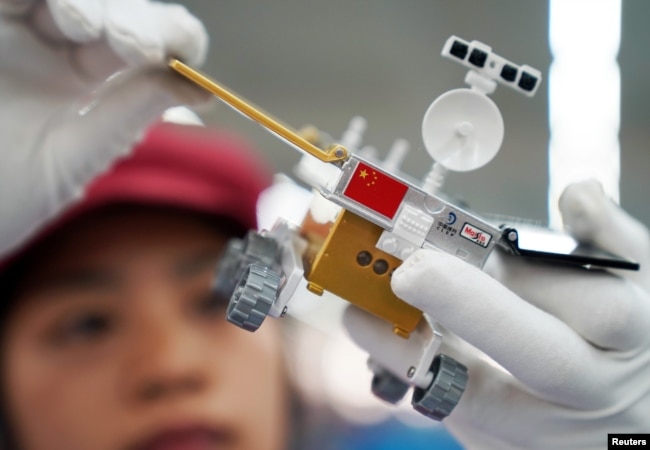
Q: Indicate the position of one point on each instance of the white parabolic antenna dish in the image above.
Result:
(462, 130)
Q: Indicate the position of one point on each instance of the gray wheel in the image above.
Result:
(255, 293)
(239, 254)
(444, 392)
(388, 387)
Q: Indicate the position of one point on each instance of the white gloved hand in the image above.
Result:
(575, 344)
(61, 124)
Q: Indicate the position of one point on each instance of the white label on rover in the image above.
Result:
(476, 235)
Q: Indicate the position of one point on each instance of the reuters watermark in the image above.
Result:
(624, 441)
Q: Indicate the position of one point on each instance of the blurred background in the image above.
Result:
(324, 62)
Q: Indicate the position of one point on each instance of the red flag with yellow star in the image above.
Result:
(376, 190)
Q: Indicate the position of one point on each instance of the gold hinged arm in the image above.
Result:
(334, 153)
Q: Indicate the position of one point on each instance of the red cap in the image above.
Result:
(184, 166)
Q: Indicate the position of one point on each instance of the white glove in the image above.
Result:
(575, 344)
(60, 123)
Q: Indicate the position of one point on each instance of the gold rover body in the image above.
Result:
(342, 258)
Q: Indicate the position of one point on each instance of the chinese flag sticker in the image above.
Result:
(376, 190)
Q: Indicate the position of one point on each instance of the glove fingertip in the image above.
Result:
(183, 35)
(80, 21)
(583, 206)
(402, 277)
(134, 50)
(419, 275)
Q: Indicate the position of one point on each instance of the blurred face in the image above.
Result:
(116, 344)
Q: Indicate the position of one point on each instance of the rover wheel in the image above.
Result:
(388, 387)
(239, 254)
(255, 293)
(444, 392)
